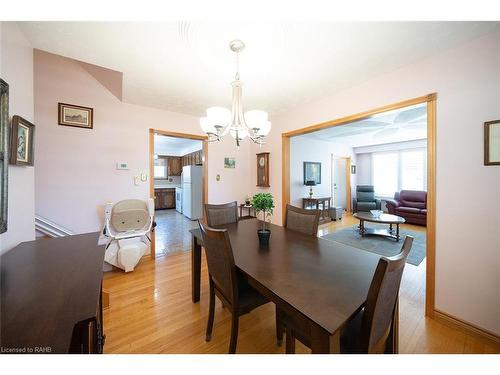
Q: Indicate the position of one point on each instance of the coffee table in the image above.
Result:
(382, 219)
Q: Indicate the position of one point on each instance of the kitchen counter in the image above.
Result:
(167, 186)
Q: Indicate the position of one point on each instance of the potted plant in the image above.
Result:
(248, 200)
(263, 202)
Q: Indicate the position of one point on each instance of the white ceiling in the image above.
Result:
(187, 66)
(174, 146)
(405, 124)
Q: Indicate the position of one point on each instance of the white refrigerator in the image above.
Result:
(192, 191)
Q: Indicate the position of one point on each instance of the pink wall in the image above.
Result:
(75, 168)
(75, 173)
(17, 70)
(467, 81)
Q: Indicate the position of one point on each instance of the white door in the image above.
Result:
(339, 182)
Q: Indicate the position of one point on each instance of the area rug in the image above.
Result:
(381, 245)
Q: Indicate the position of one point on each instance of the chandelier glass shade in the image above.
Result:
(220, 121)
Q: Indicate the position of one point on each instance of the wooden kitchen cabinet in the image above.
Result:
(194, 158)
(174, 166)
(164, 198)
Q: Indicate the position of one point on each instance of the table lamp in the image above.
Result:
(310, 183)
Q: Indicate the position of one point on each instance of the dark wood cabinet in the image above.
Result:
(170, 198)
(174, 166)
(164, 198)
(194, 158)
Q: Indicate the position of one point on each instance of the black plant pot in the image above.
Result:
(264, 235)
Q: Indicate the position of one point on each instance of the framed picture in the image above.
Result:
(230, 163)
(75, 115)
(492, 142)
(22, 138)
(312, 172)
(4, 157)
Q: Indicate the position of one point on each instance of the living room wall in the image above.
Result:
(304, 148)
(467, 82)
(16, 68)
(76, 171)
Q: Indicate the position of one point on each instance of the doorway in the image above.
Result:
(341, 182)
(178, 185)
(430, 105)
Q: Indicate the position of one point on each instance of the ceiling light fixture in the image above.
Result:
(220, 121)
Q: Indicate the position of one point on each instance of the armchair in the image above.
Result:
(365, 199)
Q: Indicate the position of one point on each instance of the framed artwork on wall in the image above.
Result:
(230, 163)
(22, 141)
(4, 143)
(492, 142)
(75, 115)
(312, 172)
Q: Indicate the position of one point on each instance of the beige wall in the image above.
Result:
(76, 174)
(467, 81)
(17, 71)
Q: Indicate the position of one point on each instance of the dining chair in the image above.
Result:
(299, 220)
(368, 332)
(220, 214)
(226, 282)
(302, 220)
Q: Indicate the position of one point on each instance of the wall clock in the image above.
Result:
(263, 169)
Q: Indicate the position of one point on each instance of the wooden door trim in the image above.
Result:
(167, 133)
(430, 99)
(361, 115)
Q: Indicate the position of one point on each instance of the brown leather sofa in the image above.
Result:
(409, 204)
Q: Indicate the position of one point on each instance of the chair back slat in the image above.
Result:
(382, 299)
(301, 220)
(220, 214)
(220, 260)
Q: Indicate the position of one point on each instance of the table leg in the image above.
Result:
(324, 343)
(390, 228)
(397, 232)
(195, 269)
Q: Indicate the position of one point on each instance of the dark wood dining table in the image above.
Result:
(51, 296)
(321, 284)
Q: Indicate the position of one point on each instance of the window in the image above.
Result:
(412, 170)
(161, 168)
(385, 173)
(399, 170)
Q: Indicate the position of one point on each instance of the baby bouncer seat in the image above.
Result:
(127, 226)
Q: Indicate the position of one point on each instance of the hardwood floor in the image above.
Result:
(151, 312)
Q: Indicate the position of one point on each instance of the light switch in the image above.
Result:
(144, 176)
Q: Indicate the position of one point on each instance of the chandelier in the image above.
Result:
(220, 121)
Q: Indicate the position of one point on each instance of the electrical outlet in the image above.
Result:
(136, 180)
